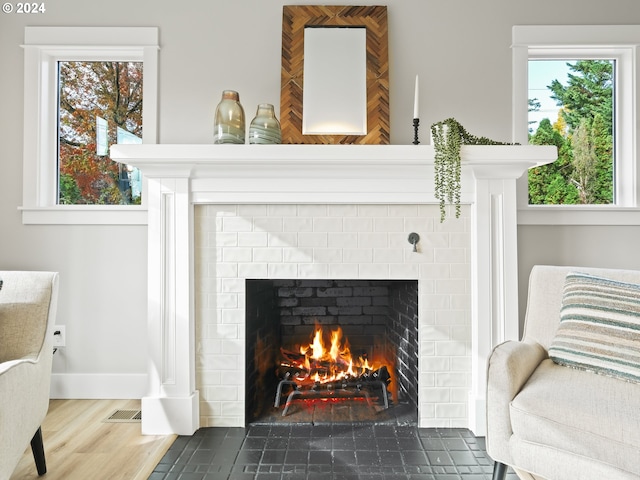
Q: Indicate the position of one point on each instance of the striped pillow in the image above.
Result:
(599, 327)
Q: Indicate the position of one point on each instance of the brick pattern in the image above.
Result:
(237, 242)
(403, 334)
(378, 319)
(359, 308)
(263, 337)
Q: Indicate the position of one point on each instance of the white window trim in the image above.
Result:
(619, 42)
(43, 48)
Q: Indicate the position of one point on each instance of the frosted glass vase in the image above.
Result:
(265, 127)
(229, 125)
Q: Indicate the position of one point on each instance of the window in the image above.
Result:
(68, 177)
(571, 107)
(586, 49)
(99, 104)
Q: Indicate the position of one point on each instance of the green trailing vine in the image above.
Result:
(448, 136)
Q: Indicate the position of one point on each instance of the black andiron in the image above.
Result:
(349, 387)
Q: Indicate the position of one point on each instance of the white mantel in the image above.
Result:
(180, 176)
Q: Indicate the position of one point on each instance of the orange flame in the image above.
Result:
(333, 362)
(316, 346)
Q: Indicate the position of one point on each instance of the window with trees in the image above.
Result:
(592, 120)
(84, 91)
(100, 103)
(581, 128)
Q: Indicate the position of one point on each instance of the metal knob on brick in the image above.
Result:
(413, 239)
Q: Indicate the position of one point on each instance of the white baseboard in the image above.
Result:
(98, 386)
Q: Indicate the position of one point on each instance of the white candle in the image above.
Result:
(415, 101)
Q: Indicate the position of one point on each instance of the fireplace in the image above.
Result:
(235, 244)
(331, 351)
(221, 214)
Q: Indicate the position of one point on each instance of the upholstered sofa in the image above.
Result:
(564, 403)
(28, 303)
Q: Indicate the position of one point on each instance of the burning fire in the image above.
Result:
(319, 362)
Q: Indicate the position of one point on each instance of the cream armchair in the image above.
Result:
(28, 303)
(559, 421)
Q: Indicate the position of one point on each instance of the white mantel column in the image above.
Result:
(172, 403)
(494, 277)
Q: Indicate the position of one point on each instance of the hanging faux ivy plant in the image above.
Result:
(448, 136)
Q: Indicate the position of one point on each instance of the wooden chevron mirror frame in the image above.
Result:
(295, 18)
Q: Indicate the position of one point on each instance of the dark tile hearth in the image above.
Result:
(310, 452)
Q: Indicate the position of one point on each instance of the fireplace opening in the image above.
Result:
(331, 351)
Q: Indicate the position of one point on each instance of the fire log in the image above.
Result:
(292, 357)
(382, 374)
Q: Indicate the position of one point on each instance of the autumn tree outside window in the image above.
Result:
(100, 103)
(67, 179)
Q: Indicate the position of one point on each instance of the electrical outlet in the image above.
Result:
(59, 336)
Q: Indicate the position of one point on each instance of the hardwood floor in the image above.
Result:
(79, 445)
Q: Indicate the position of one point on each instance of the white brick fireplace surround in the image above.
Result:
(221, 214)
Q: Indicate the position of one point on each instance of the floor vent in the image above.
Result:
(124, 416)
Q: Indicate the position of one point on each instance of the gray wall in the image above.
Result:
(588, 246)
(460, 49)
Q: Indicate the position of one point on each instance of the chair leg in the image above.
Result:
(499, 471)
(37, 447)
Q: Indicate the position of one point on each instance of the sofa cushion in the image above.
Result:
(599, 327)
(578, 413)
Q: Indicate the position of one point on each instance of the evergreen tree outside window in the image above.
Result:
(599, 53)
(582, 129)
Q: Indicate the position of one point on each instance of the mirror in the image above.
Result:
(335, 104)
(335, 81)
